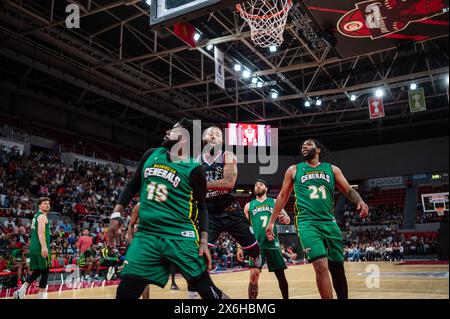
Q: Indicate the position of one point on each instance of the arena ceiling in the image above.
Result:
(116, 67)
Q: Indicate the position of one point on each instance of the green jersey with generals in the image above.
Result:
(35, 244)
(168, 209)
(260, 213)
(314, 191)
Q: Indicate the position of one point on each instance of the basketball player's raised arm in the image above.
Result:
(199, 190)
(352, 195)
(282, 199)
(230, 172)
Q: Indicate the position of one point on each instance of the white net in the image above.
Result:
(267, 19)
(440, 211)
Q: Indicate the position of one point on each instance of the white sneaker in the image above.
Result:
(20, 294)
(110, 274)
(43, 295)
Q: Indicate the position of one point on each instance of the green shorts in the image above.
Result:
(321, 239)
(37, 262)
(149, 257)
(274, 260)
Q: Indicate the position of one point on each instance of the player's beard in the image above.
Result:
(311, 154)
(168, 143)
(260, 193)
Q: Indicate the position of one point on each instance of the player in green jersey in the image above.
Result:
(259, 211)
(40, 259)
(313, 183)
(173, 219)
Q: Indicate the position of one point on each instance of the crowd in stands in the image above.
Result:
(69, 244)
(82, 189)
(224, 253)
(378, 215)
(387, 244)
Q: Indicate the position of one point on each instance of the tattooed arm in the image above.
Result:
(352, 195)
(229, 174)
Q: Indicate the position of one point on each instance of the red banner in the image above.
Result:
(376, 108)
(362, 26)
(185, 32)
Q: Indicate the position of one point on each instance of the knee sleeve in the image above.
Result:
(33, 276)
(130, 288)
(339, 280)
(282, 283)
(205, 287)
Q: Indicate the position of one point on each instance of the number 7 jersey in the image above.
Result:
(260, 213)
(168, 209)
(314, 193)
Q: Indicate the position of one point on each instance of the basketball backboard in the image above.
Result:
(164, 13)
(436, 202)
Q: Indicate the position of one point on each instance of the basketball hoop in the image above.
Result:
(267, 19)
(440, 211)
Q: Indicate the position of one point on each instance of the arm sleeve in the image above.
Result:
(198, 182)
(133, 186)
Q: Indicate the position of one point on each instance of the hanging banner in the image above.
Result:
(376, 108)
(362, 26)
(185, 32)
(417, 100)
(220, 71)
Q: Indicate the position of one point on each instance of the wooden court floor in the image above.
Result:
(395, 282)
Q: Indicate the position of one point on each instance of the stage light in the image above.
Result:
(413, 86)
(274, 95)
(353, 97)
(209, 47)
(319, 102)
(197, 36)
(246, 74)
(237, 67)
(273, 48)
(379, 93)
(307, 103)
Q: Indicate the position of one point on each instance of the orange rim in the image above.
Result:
(265, 17)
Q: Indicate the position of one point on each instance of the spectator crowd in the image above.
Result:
(387, 244)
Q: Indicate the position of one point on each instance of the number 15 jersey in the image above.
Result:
(168, 209)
